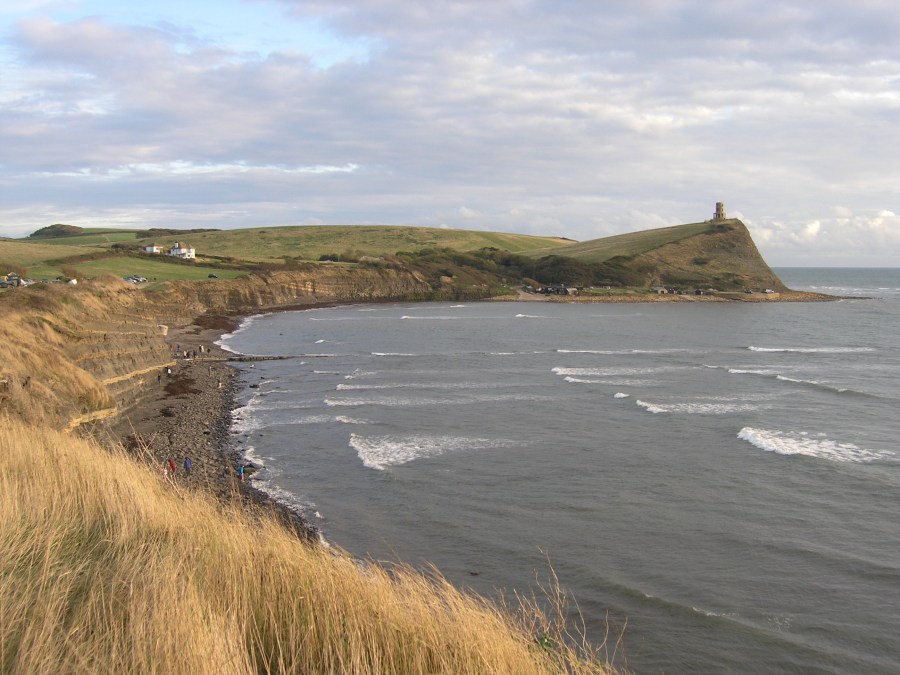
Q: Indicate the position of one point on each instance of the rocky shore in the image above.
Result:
(186, 413)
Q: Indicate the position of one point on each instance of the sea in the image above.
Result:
(716, 486)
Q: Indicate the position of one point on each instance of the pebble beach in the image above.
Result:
(186, 413)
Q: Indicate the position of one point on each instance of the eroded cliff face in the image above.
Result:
(74, 354)
(323, 283)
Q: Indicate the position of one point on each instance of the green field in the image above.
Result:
(313, 241)
(27, 254)
(631, 244)
(44, 258)
(92, 237)
(152, 269)
(45, 261)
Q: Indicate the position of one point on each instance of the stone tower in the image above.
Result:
(720, 211)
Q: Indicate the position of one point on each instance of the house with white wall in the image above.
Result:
(182, 250)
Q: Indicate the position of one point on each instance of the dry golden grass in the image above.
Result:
(107, 567)
(57, 344)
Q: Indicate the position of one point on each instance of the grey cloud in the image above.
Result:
(585, 119)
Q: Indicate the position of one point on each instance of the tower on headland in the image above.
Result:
(720, 211)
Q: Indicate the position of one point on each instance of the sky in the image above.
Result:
(572, 118)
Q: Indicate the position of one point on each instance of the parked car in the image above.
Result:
(212, 276)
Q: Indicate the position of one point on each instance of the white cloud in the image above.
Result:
(565, 118)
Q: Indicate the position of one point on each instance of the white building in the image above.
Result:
(153, 248)
(181, 250)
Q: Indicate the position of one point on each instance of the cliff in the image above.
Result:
(723, 257)
(69, 355)
(714, 254)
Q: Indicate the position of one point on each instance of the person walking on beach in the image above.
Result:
(172, 466)
(187, 466)
(240, 471)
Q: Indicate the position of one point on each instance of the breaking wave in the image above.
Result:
(813, 350)
(718, 407)
(380, 452)
(801, 443)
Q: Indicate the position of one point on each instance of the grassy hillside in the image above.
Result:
(715, 254)
(311, 242)
(151, 268)
(110, 567)
(27, 254)
(44, 259)
(95, 236)
(630, 244)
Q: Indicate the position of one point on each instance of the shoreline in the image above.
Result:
(188, 413)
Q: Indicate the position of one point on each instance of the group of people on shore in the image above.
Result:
(169, 467)
(178, 352)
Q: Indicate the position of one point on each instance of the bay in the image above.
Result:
(716, 482)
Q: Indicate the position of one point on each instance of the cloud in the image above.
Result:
(567, 118)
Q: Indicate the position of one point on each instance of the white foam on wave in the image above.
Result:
(614, 382)
(717, 407)
(629, 383)
(431, 318)
(419, 401)
(356, 374)
(619, 394)
(813, 350)
(283, 405)
(263, 479)
(650, 407)
(623, 352)
(243, 421)
(344, 419)
(242, 326)
(768, 372)
(529, 316)
(610, 372)
(800, 443)
(569, 378)
(312, 419)
(394, 354)
(419, 385)
(380, 452)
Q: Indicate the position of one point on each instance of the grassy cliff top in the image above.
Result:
(712, 254)
(312, 241)
(629, 244)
